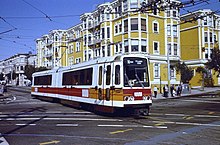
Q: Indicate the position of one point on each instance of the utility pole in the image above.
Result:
(168, 69)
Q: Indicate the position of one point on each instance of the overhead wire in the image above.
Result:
(46, 16)
(22, 44)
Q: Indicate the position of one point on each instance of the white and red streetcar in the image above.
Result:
(117, 84)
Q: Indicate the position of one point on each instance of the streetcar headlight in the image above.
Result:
(129, 98)
(126, 98)
(144, 97)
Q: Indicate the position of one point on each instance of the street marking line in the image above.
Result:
(51, 142)
(189, 123)
(186, 115)
(207, 116)
(157, 127)
(25, 124)
(69, 119)
(67, 125)
(120, 131)
(202, 101)
(134, 126)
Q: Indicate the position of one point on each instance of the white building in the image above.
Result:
(13, 68)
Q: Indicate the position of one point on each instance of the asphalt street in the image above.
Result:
(187, 120)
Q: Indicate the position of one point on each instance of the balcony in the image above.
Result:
(93, 26)
(93, 42)
(48, 54)
(49, 44)
(74, 39)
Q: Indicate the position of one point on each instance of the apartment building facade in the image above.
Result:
(15, 65)
(51, 49)
(119, 27)
(198, 39)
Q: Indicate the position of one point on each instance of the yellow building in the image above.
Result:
(200, 33)
(120, 27)
(51, 49)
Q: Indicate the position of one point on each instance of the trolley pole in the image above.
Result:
(168, 69)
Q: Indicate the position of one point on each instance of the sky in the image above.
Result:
(23, 21)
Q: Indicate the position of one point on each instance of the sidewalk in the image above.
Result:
(194, 92)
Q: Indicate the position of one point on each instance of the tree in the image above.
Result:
(214, 63)
(185, 72)
(206, 76)
(30, 69)
(1, 77)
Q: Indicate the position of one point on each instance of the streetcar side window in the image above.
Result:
(79, 77)
(100, 75)
(43, 80)
(117, 74)
(108, 75)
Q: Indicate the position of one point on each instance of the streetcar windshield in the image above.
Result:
(136, 72)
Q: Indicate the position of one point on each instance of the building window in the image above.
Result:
(134, 45)
(71, 60)
(78, 60)
(116, 29)
(169, 48)
(85, 39)
(168, 13)
(108, 32)
(70, 49)
(22, 68)
(103, 33)
(206, 36)
(109, 50)
(118, 48)
(168, 30)
(143, 25)
(156, 70)
(107, 16)
(97, 52)
(175, 30)
(156, 47)
(126, 45)
(133, 4)
(77, 46)
(143, 45)
(211, 39)
(206, 53)
(120, 28)
(174, 13)
(205, 21)
(175, 49)
(125, 25)
(215, 38)
(125, 5)
(155, 27)
(103, 51)
(134, 24)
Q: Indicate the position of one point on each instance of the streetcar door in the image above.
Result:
(108, 81)
(100, 87)
(104, 82)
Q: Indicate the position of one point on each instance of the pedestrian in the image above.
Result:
(172, 90)
(155, 91)
(165, 90)
(179, 89)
